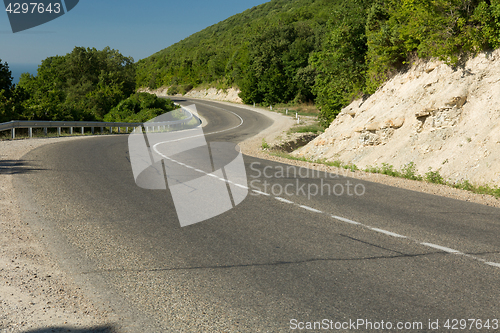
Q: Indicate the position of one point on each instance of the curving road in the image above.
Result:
(359, 252)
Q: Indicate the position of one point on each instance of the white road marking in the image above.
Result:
(311, 209)
(492, 264)
(388, 233)
(346, 220)
(283, 200)
(442, 248)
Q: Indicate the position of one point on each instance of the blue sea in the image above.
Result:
(18, 69)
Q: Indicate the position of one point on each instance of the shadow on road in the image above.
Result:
(99, 329)
(14, 167)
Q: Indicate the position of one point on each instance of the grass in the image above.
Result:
(265, 145)
(302, 109)
(408, 171)
(315, 128)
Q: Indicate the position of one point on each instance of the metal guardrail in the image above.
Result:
(30, 125)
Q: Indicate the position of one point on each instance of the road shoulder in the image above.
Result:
(34, 292)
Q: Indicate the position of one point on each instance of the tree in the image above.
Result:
(5, 78)
(276, 56)
(341, 63)
(82, 85)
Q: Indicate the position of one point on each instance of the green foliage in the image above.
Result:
(339, 164)
(276, 56)
(140, 107)
(326, 51)
(446, 29)
(263, 50)
(434, 177)
(409, 171)
(308, 129)
(265, 145)
(5, 78)
(9, 97)
(82, 85)
(341, 62)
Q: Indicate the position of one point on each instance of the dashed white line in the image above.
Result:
(311, 209)
(346, 220)
(388, 233)
(283, 200)
(492, 264)
(442, 248)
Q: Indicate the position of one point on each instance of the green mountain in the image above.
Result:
(329, 51)
(221, 55)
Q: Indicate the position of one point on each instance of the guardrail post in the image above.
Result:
(59, 131)
(13, 133)
(92, 129)
(126, 130)
(45, 131)
(83, 128)
(30, 132)
(111, 130)
(102, 130)
(71, 130)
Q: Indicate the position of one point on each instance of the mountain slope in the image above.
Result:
(220, 53)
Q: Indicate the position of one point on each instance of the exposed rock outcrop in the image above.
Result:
(433, 115)
(228, 95)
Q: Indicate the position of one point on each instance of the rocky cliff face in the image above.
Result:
(228, 95)
(437, 117)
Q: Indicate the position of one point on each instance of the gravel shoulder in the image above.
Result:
(35, 294)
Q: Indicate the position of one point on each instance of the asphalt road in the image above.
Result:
(318, 248)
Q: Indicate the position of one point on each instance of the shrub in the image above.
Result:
(140, 107)
(434, 177)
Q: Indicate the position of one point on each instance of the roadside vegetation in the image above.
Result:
(408, 171)
(84, 85)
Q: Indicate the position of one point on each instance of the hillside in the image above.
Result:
(438, 117)
(326, 51)
(281, 33)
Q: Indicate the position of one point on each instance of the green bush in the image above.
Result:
(82, 85)
(434, 177)
(140, 107)
(173, 90)
(409, 171)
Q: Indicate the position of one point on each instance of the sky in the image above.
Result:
(135, 28)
